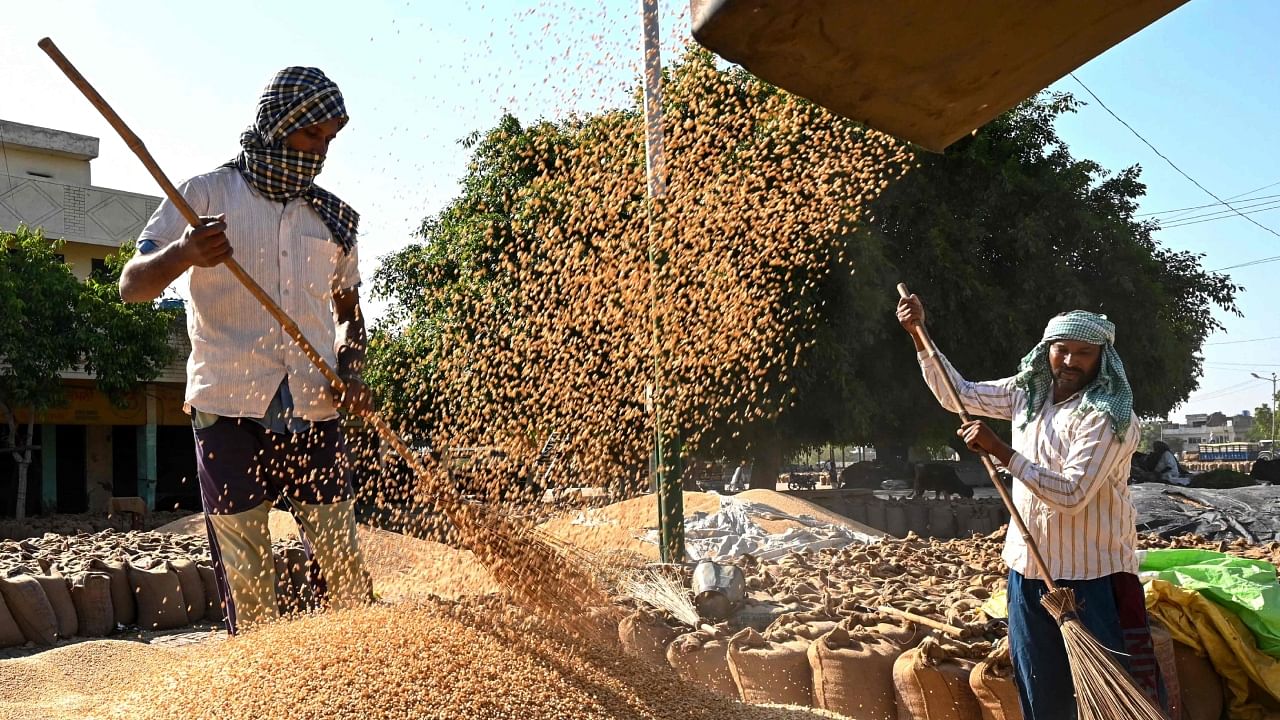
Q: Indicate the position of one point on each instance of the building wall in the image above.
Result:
(46, 183)
(22, 162)
(80, 257)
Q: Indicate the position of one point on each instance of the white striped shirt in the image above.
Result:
(239, 354)
(1071, 474)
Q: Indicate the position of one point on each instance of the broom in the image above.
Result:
(1104, 689)
(519, 557)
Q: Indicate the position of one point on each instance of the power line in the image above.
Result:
(1245, 364)
(1175, 211)
(1250, 203)
(1238, 342)
(1251, 263)
(1166, 159)
(1210, 217)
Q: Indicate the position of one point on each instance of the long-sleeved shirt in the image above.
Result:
(1070, 473)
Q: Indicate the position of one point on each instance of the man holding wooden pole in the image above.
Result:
(1074, 431)
(266, 420)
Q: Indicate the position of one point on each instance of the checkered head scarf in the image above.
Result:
(1109, 392)
(296, 97)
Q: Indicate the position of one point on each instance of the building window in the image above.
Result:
(98, 268)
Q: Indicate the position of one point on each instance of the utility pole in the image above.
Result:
(1273, 406)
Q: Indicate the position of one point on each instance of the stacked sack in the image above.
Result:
(92, 584)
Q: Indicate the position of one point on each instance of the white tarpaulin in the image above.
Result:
(733, 531)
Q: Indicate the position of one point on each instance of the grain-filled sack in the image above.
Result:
(703, 659)
(1200, 685)
(193, 599)
(771, 671)
(931, 685)
(10, 633)
(993, 684)
(877, 515)
(91, 593)
(895, 519)
(942, 520)
(1162, 642)
(58, 591)
(122, 602)
(213, 609)
(645, 636)
(30, 608)
(158, 592)
(917, 517)
(809, 625)
(853, 674)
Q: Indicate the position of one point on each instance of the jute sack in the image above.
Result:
(213, 609)
(1200, 687)
(193, 599)
(917, 517)
(771, 671)
(931, 685)
(703, 659)
(993, 684)
(10, 633)
(645, 636)
(158, 592)
(853, 674)
(1162, 641)
(31, 609)
(122, 602)
(942, 520)
(809, 625)
(895, 519)
(58, 591)
(91, 593)
(876, 515)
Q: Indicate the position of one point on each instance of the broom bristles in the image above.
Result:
(662, 592)
(1104, 689)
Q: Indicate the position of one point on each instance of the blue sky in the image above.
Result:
(1199, 84)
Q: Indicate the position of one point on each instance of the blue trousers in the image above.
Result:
(1110, 607)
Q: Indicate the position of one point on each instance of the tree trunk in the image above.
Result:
(767, 466)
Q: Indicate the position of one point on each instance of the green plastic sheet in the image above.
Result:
(1246, 588)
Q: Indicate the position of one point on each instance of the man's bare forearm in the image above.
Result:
(146, 276)
(350, 319)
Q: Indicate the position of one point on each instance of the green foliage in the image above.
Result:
(1262, 427)
(997, 235)
(1003, 231)
(51, 323)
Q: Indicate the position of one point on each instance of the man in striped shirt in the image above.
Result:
(1074, 431)
(265, 419)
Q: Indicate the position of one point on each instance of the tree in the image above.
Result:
(998, 234)
(1262, 423)
(52, 323)
(557, 298)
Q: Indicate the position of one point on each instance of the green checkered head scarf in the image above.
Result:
(296, 97)
(1109, 392)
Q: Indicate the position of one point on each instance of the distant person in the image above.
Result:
(1074, 432)
(1162, 463)
(265, 420)
(741, 479)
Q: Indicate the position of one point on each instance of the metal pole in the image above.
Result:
(670, 492)
(1273, 379)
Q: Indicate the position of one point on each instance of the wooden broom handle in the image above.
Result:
(277, 312)
(931, 350)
